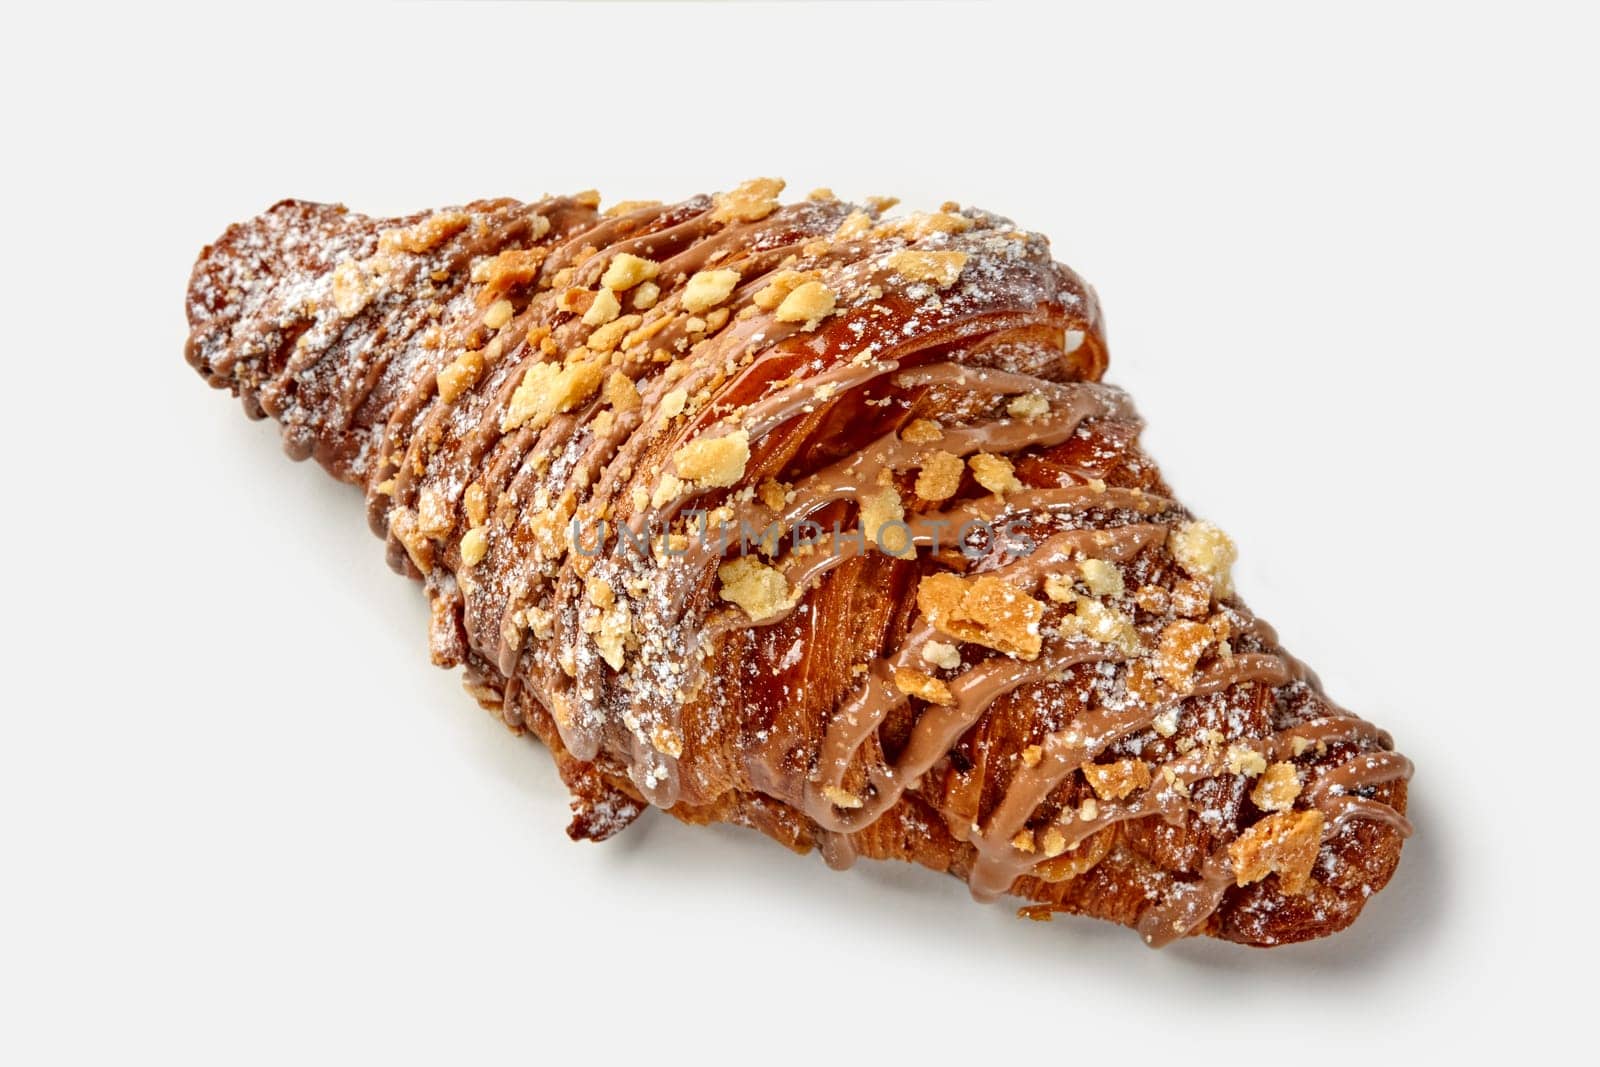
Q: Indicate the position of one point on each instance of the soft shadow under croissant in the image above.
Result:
(817, 520)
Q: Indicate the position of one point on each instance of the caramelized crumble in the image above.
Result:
(621, 393)
(809, 303)
(780, 285)
(428, 234)
(938, 269)
(986, 610)
(714, 461)
(1113, 781)
(1102, 578)
(460, 375)
(603, 307)
(750, 202)
(707, 289)
(841, 798)
(474, 543)
(627, 270)
(762, 591)
(942, 655)
(1205, 552)
(1178, 651)
(995, 473)
(915, 683)
(1278, 788)
(1285, 844)
(548, 390)
(940, 476)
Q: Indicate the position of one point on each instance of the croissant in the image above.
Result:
(817, 519)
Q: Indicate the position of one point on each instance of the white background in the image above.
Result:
(1349, 263)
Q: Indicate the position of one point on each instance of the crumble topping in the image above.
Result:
(673, 403)
(781, 285)
(667, 740)
(508, 270)
(1100, 622)
(433, 513)
(940, 476)
(714, 461)
(920, 224)
(986, 610)
(460, 375)
(1178, 651)
(1028, 406)
(645, 296)
(1206, 552)
(548, 390)
(1060, 588)
(809, 303)
(621, 393)
(1102, 578)
(938, 269)
(915, 683)
(627, 270)
(474, 544)
(476, 502)
(841, 798)
(762, 591)
(430, 232)
(708, 288)
(750, 202)
(606, 337)
(1278, 788)
(1245, 760)
(352, 288)
(1191, 597)
(1151, 598)
(772, 494)
(882, 516)
(1285, 844)
(856, 224)
(603, 307)
(995, 473)
(498, 314)
(1113, 781)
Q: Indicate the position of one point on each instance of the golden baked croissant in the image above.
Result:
(817, 520)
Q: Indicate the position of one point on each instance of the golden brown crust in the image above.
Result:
(1093, 723)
